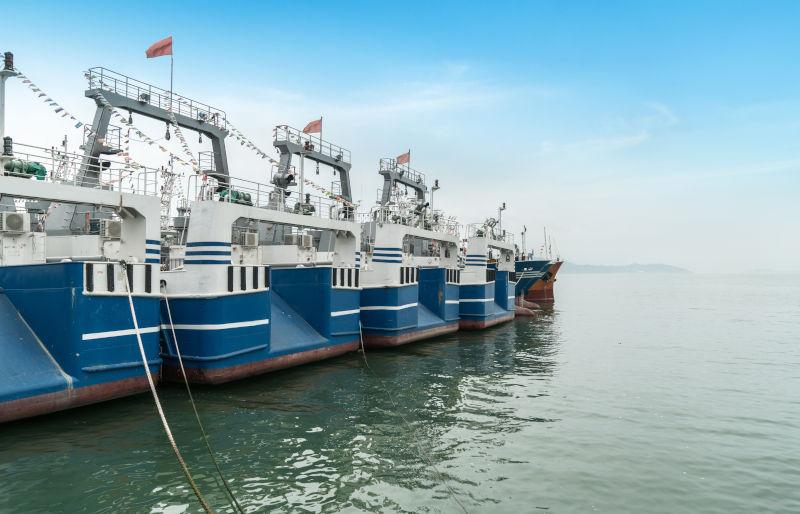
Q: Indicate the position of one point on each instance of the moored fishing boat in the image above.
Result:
(536, 273)
(410, 272)
(74, 246)
(267, 280)
(488, 278)
(542, 291)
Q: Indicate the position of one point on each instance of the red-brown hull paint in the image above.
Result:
(542, 291)
(69, 398)
(222, 375)
(375, 341)
(478, 325)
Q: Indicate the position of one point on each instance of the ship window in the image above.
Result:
(89, 277)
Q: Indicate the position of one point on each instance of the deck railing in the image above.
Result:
(401, 215)
(108, 80)
(490, 232)
(265, 196)
(64, 167)
(311, 143)
(408, 172)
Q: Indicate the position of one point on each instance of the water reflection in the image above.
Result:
(321, 437)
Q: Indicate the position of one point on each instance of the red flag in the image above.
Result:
(313, 127)
(403, 159)
(163, 47)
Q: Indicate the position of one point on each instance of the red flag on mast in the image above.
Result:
(403, 159)
(163, 47)
(313, 127)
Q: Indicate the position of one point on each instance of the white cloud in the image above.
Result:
(595, 145)
(664, 116)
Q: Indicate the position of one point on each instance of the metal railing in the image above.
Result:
(402, 215)
(108, 80)
(65, 168)
(113, 137)
(206, 161)
(409, 173)
(265, 196)
(489, 232)
(310, 143)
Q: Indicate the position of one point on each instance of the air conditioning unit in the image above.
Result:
(306, 241)
(290, 239)
(251, 239)
(15, 222)
(110, 229)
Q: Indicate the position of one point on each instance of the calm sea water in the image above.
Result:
(636, 393)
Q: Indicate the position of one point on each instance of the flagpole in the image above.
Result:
(320, 134)
(170, 80)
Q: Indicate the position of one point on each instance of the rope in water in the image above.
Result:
(410, 428)
(155, 395)
(234, 503)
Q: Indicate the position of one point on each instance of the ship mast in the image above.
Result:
(524, 233)
(7, 71)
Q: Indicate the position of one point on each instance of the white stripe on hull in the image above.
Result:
(389, 307)
(118, 333)
(345, 313)
(220, 326)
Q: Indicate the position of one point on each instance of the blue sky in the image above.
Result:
(635, 131)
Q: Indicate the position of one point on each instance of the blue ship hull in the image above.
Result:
(300, 318)
(391, 316)
(61, 348)
(485, 305)
(529, 273)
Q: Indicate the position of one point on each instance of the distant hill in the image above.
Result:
(569, 267)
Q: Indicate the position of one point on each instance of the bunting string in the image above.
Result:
(191, 162)
(144, 137)
(182, 139)
(247, 143)
(57, 108)
(47, 215)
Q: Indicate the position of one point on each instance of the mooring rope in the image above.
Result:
(235, 503)
(155, 395)
(410, 428)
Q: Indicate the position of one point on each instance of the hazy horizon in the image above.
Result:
(634, 132)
